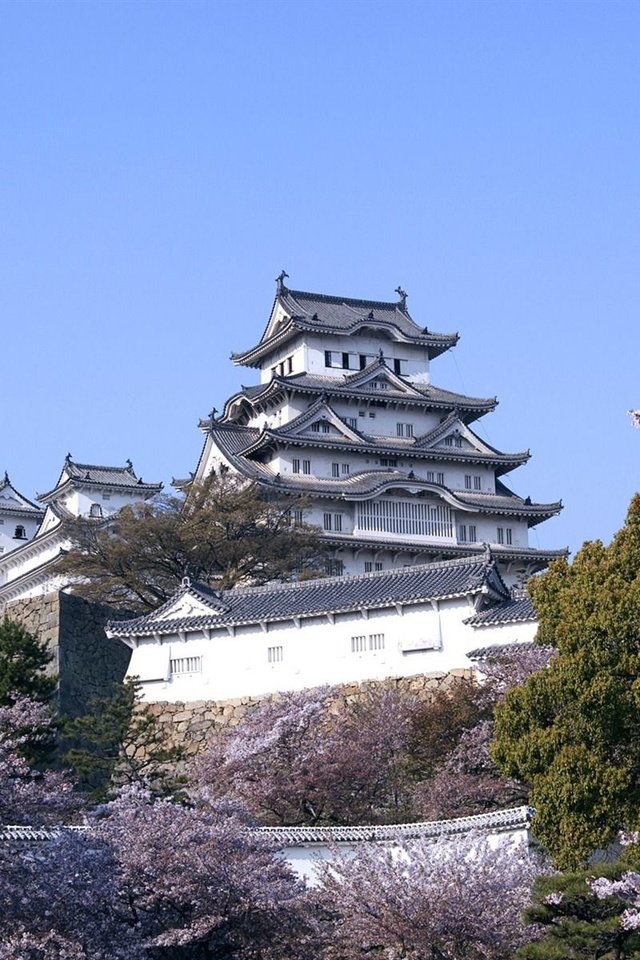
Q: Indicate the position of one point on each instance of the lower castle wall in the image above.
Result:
(190, 726)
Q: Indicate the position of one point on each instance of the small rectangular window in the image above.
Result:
(315, 427)
(458, 441)
(362, 413)
(306, 466)
(275, 654)
(346, 469)
(467, 481)
(388, 462)
(106, 496)
(462, 532)
(509, 536)
(353, 422)
(185, 665)
(472, 533)
(298, 518)
(371, 414)
(500, 534)
(430, 476)
(477, 483)
(440, 478)
(335, 568)
(325, 426)
(368, 566)
(358, 644)
(377, 565)
(345, 361)
(376, 641)
(327, 358)
(448, 441)
(363, 361)
(397, 366)
(335, 469)
(327, 521)
(295, 466)
(337, 522)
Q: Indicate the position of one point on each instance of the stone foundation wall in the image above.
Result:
(85, 659)
(190, 726)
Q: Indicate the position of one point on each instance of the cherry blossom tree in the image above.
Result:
(201, 884)
(454, 900)
(301, 758)
(29, 795)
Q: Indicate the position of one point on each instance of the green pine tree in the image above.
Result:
(24, 660)
(574, 923)
(118, 743)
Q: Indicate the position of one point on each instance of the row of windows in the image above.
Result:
(338, 469)
(472, 482)
(375, 641)
(306, 466)
(505, 535)
(333, 521)
(452, 441)
(285, 367)
(467, 533)
(179, 666)
(358, 361)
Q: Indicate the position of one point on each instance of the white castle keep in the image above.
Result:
(347, 416)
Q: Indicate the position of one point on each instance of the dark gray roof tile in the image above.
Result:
(449, 578)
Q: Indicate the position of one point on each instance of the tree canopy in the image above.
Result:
(572, 730)
(226, 532)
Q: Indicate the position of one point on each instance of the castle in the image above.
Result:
(427, 543)
(346, 415)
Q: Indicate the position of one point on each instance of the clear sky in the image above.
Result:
(161, 162)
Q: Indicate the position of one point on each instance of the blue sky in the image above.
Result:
(160, 163)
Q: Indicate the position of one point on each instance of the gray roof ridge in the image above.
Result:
(478, 560)
(349, 301)
(21, 497)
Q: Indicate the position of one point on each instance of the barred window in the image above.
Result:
(275, 654)
(358, 644)
(376, 641)
(185, 665)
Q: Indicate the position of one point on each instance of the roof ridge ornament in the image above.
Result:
(282, 276)
(6, 477)
(402, 303)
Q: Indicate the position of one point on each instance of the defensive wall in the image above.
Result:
(85, 659)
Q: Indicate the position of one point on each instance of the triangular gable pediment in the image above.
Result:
(189, 602)
(378, 376)
(11, 499)
(453, 434)
(321, 420)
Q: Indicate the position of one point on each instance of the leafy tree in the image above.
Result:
(228, 531)
(455, 900)
(581, 916)
(467, 781)
(24, 660)
(438, 723)
(119, 743)
(572, 730)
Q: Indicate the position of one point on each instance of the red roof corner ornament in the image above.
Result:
(635, 418)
